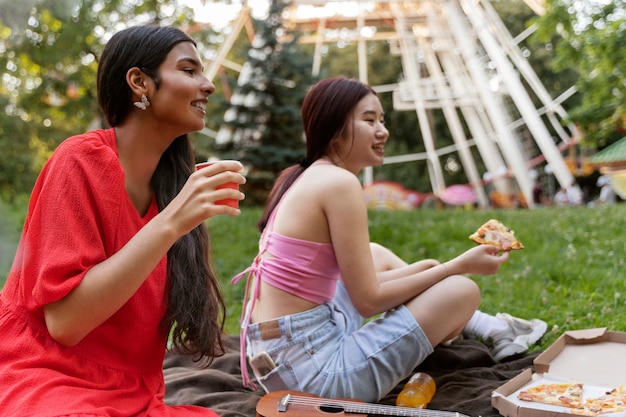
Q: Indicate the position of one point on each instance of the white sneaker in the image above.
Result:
(518, 337)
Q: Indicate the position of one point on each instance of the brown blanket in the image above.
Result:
(465, 373)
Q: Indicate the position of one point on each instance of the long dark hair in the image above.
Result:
(196, 309)
(325, 113)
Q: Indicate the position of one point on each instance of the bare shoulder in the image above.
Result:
(337, 177)
(333, 177)
(319, 185)
(340, 189)
(319, 195)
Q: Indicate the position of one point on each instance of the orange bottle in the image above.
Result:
(417, 392)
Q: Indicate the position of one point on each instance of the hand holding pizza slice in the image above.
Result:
(496, 234)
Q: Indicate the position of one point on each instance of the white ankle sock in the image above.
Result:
(484, 325)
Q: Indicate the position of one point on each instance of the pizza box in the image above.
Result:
(595, 357)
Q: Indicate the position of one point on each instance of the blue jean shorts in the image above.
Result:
(332, 352)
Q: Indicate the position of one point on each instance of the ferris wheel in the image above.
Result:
(458, 58)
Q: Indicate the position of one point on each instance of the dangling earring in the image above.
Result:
(143, 104)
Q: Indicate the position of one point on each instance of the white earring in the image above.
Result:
(143, 104)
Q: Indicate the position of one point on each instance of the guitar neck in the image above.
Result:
(295, 404)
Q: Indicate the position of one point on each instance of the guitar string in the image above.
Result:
(367, 408)
(370, 408)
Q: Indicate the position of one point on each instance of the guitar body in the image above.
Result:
(268, 405)
(300, 404)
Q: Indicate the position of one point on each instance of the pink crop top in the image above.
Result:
(300, 267)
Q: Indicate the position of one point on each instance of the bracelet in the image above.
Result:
(445, 267)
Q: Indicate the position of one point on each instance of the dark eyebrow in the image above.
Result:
(372, 112)
(192, 61)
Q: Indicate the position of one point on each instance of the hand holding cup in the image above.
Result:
(231, 202)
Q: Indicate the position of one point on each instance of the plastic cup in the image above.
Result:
(231, 202)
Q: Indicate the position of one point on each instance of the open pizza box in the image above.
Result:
(595, 357)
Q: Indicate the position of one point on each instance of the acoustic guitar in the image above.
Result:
(300, 404)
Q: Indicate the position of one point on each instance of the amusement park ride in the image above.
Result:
(458, 58)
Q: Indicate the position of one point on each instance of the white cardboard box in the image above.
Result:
(595, 357)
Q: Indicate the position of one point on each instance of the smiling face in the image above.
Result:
(181, 97)
(362, 143)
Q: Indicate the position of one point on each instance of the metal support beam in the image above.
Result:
(451, 52)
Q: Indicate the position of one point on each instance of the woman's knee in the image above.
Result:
(384, 258)
(443, 310)
(382, 253)
(464, 289)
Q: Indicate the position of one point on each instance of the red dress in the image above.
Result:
(79, 215)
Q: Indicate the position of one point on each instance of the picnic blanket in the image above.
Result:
(464, 371)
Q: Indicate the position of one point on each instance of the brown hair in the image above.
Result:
(325, 113)
(196, 309)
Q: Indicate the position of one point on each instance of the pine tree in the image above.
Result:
(262, 128)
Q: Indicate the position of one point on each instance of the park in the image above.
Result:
(492, 100)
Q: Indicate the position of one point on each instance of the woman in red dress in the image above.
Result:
(113, 259)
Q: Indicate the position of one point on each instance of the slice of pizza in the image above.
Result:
(566, 394)
(583, 412)
(613, 401)
(496, 234)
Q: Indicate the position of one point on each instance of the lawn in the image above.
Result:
(570, 274)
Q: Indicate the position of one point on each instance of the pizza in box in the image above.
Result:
(570, 395)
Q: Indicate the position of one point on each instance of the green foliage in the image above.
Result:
(589, 37)
(49, 52)
(12, 215)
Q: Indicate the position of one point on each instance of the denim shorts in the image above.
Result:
(332, 352)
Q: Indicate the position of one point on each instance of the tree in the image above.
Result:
(590, 36)
(263, 128)
(50, 50)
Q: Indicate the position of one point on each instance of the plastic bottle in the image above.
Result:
(417, 392)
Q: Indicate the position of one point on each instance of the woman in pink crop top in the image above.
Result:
(326, 347)
(113, 259)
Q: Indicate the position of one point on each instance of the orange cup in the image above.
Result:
(228, 201)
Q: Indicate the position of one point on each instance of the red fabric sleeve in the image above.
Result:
(71, 212)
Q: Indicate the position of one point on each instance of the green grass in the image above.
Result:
(11, 220)
(571, 273)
